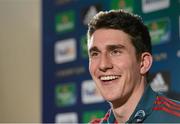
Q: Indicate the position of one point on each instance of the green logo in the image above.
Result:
(65, 95)
(159, 31)
(84, 49)
(65, 21)
(122, 4)
(90, 115)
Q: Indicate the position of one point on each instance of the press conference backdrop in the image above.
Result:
(69, 93)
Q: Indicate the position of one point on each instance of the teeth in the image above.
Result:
(106, 78)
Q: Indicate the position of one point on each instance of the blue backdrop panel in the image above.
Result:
(69, 94)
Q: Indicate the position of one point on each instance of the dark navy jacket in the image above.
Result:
(152, 108)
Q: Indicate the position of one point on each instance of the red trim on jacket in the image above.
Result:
(106, 117)
(165, 104)
(95, 121)
(162, 98)
(167, 110)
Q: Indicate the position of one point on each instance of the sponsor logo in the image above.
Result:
(65, 21)
(178, 53)
(122, 4)
(154, 5)
(160, 81)
(73, 71)
(70, 117)
(65, 51)
(159, 31)
(90, 93)
(62, 2)
(84, 49)
(160, 56)
(88, 116)
(65, 94)
(89, 12)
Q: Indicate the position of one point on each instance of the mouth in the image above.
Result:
(109, 77)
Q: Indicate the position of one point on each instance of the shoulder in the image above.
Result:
(166, 105)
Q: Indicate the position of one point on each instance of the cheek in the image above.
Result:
(92, 67)
(134, 74)
(130, 69)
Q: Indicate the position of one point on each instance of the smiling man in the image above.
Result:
(120, 57)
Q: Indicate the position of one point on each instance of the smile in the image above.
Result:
(109, 77)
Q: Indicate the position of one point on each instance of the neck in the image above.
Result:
(123, 112)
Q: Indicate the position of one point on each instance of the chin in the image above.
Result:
(110, 98)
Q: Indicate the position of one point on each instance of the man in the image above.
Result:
(119, 48)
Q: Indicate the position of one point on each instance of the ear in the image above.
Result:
(146, 62)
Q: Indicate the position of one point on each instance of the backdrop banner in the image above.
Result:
(69, 93)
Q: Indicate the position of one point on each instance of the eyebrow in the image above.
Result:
(94, 49)
(116, 46)
(108, 47)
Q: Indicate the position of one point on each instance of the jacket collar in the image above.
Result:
(143, 109)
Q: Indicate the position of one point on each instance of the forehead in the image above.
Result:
(104, 37)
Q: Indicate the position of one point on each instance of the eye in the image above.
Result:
(94, 54)
(116, 52)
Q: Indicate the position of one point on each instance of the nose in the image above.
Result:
(105, 63)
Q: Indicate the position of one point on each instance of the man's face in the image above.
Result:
(113, 64)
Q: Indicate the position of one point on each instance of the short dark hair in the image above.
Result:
(129, 23)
